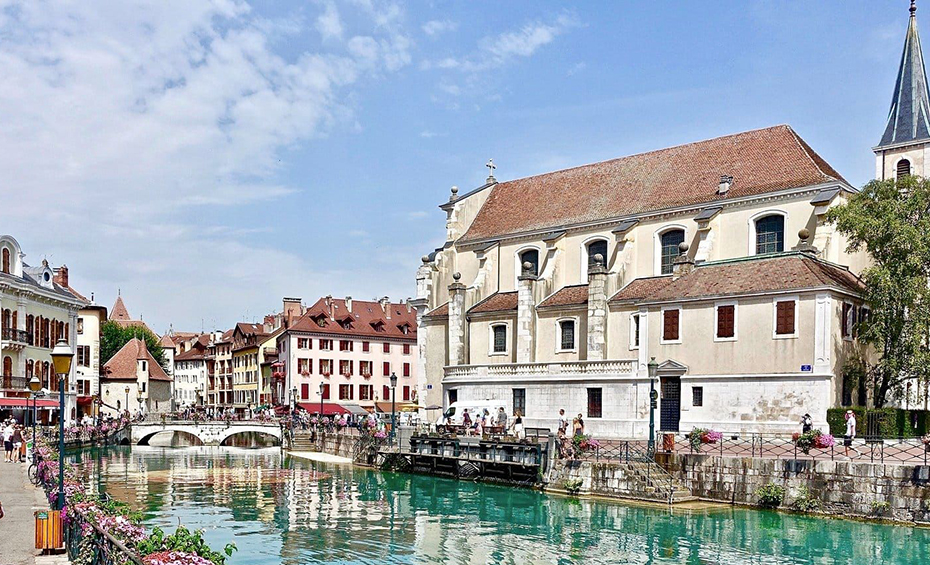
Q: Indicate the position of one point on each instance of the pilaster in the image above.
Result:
(456, 321)
(526, 315)
(597, 309)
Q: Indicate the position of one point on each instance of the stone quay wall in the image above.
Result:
(602, 478)
(843, 488)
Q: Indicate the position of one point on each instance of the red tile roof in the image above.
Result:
(364, 315)
(769, 273)
(119, 311)
(122, 366)
(759, 161)
(574, 295)
(497, 302)
(440, 312)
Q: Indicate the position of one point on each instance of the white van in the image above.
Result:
(453, 414)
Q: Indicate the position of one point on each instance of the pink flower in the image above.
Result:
(175, 558)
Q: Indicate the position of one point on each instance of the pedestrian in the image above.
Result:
(563, 422)
(502, 418)
(466, 419)
(578, 426)
(18, 444)
(807, 423)
(850, 432)
(8, 442)
(517, 425)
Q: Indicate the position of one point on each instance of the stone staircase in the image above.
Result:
(302, 442)
(655, 483)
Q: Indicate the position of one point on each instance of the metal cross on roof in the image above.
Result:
(491, 166)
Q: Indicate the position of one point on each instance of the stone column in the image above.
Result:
(456, 321)
(526, 315)
(597, 310)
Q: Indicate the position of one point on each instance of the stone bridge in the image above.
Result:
(209, 433)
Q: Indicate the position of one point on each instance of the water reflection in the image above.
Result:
(283, 510)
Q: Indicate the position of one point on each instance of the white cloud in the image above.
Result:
(329, 23)
(576, 68)
(499, 50)
(433, 28)
(142, 117)
(452, 89)
(417, 214)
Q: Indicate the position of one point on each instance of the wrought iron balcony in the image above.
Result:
(12, 336)
(18, 384)
(556, 371)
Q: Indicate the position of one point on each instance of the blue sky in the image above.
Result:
(211, 157)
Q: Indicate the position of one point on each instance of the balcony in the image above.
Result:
(16, 340)
(542, 371)
(19, 384)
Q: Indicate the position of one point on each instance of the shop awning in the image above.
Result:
(385, 407)
(27, 403)
(355, 409)
(329, 408)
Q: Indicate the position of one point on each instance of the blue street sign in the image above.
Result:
(806, 368)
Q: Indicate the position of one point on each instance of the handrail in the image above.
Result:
(628, 451)
(102, 543)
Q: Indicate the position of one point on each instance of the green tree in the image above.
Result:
(114, 336)
(890, 220)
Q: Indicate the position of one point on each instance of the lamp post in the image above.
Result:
(393, 416)
(322, 388)
(34, 385)
(126, 406)
(653, 367)
(61, 359)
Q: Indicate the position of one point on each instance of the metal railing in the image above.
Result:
(564, 369)
(775, 446)
(89, 544)
(10, 382)
(18, 336)
(635, 454)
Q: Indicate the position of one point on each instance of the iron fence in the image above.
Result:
(88, 544)
(867, 449)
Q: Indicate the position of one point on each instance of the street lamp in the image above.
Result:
(393, 417)
(322, 388)
(653, 367)
(61, 359)
(126, 406)
(34, 385)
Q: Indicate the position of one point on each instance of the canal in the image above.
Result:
(279, 509)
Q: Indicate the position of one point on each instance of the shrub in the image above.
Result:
(770, 495)
(879, 507)
(699, 436)
(813, 439)
(805, 501)
(572, 485)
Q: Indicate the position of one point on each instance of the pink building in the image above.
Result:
(352, 347)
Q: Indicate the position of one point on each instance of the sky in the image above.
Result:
(206, 158)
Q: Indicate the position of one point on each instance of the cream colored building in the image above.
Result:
(555, 291)
(36, 312)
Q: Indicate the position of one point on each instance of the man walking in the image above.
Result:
(502, 418)
(850, 432)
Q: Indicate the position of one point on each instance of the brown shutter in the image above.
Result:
(784, 317)
(670, 329)
(726, 321)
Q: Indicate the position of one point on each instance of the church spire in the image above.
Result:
(909, 117)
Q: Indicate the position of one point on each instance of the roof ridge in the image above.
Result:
(810, 154)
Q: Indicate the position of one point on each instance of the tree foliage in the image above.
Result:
(114, 336)
(890, 220)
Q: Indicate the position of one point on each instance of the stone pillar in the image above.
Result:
(683, 264)
(597, 310)
(526, 315)
(456, 321)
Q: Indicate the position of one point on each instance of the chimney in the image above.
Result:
(683, 264)
(456, 321)
(386, 306)
(597, 309)
(526, 314)
(409, 307)
(725, 182)
(61, 275)
(349, 304)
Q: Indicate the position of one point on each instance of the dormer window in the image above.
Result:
(404, 328)
(378, 325)
(320, 320)
(904, 168)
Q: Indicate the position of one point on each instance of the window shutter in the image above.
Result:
(726, 321)
(784, 317)
(670, 329)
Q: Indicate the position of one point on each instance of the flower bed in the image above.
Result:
(582, 444)
(814, 439)
(85, 513)
(701, 436)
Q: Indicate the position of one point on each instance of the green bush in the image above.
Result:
(572, 485)
(805, 501)
(770, 495)
(893, 422)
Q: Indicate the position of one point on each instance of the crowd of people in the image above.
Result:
(14, 443)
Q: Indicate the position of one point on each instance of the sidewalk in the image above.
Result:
(17, 528)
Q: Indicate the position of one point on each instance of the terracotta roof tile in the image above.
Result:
(440, 312)
(574, 295)
(122, 366)
(768, 273)
(759, 161)
(365, 314)
(119, 311)
(497, 302)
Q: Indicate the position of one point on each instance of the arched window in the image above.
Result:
(904, 168)
(6, 260)
(669, 242)
(29, 364)
(597, 247)
(530, 256)
(7, 366)
(770, 234)
(6, 319)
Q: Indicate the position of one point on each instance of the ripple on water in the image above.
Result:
(278, 510)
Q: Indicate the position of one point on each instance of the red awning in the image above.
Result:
(85, 399)
(329, 408)
(27, 403)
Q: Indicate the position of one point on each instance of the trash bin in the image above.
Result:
(668, 442)
(48, 530)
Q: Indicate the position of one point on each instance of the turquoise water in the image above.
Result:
(284, 510)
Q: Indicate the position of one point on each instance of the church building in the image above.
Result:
(713, 258)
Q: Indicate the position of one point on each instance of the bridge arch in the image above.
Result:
(262, 433)
(209, 433)
(183, 433)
